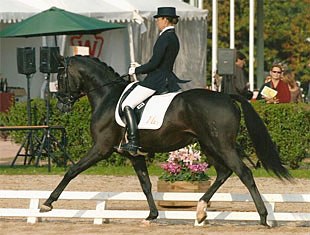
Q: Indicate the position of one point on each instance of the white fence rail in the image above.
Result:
(101, 212)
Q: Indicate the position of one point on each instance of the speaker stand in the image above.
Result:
(48, 139)
(30, 137)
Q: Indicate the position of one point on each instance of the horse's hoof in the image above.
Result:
(201, 213)
(45, 208)
(147, 223)
(268, 225)
(272, 224)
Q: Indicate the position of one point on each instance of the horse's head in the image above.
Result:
(81, 75)
(69, 85)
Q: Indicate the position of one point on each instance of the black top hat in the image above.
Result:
(166, 11)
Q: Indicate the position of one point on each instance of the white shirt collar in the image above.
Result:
(165, 29)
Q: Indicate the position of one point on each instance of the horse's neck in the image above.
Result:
(102, 88)
(104, 97)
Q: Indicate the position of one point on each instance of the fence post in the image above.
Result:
(34, 205)
(101, 206)
(270, 206)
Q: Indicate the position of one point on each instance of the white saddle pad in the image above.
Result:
(154, 111)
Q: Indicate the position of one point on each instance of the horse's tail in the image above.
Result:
(265, 148)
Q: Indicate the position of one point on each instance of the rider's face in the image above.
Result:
(161, 23)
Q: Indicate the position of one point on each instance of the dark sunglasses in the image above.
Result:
(277, 72)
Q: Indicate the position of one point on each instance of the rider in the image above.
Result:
(160, 77)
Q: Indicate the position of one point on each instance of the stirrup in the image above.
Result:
(128, 147)
(139, 152)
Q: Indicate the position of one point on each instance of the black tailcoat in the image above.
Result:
(160, 76)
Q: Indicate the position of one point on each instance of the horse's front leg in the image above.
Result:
(90, 159)
(139, 165)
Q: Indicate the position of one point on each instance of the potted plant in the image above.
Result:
(184, 171)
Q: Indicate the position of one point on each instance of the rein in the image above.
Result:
(119, 80)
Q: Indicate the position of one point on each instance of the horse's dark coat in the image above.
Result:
(211, 118)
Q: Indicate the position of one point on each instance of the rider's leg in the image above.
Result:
(135, 97)
(132, 132)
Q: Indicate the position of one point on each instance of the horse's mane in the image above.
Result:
(105, 65)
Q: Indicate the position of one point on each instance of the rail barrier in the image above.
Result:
(101, 212)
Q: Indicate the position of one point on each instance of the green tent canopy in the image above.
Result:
(55, 21)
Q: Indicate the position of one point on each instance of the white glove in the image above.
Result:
(131, 70)
(134, 64)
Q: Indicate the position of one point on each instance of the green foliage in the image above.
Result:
(17, 116)
(184, 176)
(77, 124)
(154, 170)
(288, 125)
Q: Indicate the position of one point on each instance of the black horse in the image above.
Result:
(210, 118)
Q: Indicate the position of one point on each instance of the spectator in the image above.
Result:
(276, 83)
(289, 78)
(238, 83)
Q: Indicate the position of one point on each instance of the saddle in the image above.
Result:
(149, 113)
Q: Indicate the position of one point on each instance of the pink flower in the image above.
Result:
(172, 168)
(184, 164)
(198, 167)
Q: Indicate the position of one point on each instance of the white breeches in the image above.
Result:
(136, 96)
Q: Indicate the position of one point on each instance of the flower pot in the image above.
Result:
(182, 186)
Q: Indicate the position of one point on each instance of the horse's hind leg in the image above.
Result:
(244, 173)
(223, 174)
(140, 167)
(90, 159)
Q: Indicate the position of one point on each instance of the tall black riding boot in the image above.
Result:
(132, 132)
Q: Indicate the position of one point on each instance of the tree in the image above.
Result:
(286, 32)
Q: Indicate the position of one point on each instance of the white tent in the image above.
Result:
(12, 11)
(117, 47)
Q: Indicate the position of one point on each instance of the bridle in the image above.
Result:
(66, 97)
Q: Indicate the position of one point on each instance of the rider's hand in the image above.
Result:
(131, 70)
(134, 64)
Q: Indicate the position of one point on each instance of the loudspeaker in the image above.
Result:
(26, 60)
(49, 59)
(226, 61)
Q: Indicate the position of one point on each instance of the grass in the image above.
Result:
(126, 170)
